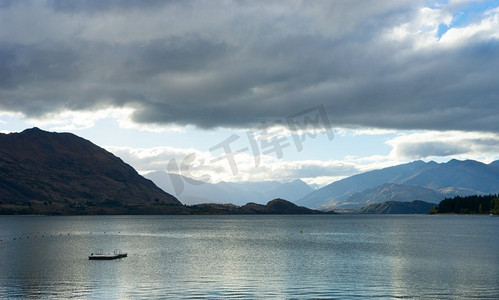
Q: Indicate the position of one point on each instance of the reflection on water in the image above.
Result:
(251, 257)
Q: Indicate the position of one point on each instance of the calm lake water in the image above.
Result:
(251, 257)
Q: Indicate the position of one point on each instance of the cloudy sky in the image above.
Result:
(257, 90)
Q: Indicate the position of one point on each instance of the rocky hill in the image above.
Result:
(46, 172)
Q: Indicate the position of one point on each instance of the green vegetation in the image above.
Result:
(433, 210)
(475, 204)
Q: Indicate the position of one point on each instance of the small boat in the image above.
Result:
(99, 255)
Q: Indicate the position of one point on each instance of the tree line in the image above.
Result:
(475, 204)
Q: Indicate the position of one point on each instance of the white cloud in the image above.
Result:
(68, 120)
(208, 165)
(445, 144)
(156, 158)
(421, 31)
(373, 162)
(488, 28)
(73, 120)
(321, 181)
(373, 131)
(10, 114)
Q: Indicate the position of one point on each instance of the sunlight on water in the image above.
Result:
(251, 257)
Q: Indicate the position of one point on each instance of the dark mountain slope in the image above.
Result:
(397, 207)
(60, 168)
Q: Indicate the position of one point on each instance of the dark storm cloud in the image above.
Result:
(92, 6)
(20, 64)
(237, 64)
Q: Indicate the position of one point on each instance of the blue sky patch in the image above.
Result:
(470, 14)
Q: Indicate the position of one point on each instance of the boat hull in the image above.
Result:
(107, 257)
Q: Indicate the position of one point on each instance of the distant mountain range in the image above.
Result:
(191, 192)
(418, 180)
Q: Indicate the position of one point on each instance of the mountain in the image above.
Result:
(293, 190)
(494, 164)
(338, 191)
(397, 207)
(456, 191)
(54, 172)
(193, 192)
(454, 176)
(391, 192)
(467, 174)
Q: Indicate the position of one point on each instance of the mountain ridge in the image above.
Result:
(455, 176)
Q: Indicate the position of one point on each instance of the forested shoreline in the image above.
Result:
(476, 204)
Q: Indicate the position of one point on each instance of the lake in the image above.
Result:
(254, 256)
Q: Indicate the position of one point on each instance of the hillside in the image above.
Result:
(391, 192)
(397, 207)
(47, 172)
